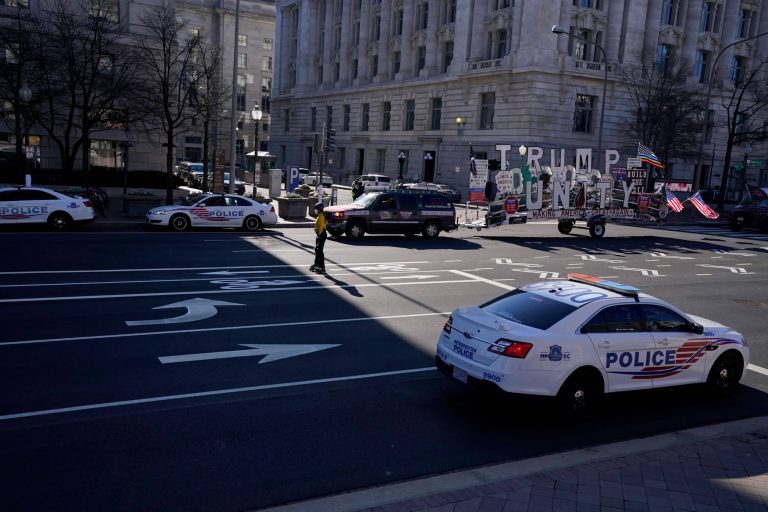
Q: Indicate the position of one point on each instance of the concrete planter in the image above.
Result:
(291, 208)
(138, 206)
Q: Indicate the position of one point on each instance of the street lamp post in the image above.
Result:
(401, 159)
(697, 171)
(25, 96)
(557, 29)
(256, 114)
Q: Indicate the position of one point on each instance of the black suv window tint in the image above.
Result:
(35, 195)
(529, 309)
(387, 202)
(408, 202)
(661, 319)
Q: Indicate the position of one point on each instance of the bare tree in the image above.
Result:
(16, 70)
(168, 73)
(84, 74)
(667, 112)
(211, 96)
(745, 102)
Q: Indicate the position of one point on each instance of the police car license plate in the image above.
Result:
(460, 374)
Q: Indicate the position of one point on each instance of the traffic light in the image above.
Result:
(330, 140)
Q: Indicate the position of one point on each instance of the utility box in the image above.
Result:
(275, 182)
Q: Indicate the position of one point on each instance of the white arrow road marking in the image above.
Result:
(230, 273)
(197, 309)
(644, 271)
(665, 255)
(408, 277)
(273, 353)
(590, 257)
(734, 253)
(735, 270)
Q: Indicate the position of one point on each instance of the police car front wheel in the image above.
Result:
(59, 221)
(725, 374)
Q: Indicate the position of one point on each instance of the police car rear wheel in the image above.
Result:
(59, 221)
(725, 373)
(579, 394)
(252, 223)
(179, 223)
(430, 229)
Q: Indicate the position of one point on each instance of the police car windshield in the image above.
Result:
(366, 200)
(528, 309)
(191, 199)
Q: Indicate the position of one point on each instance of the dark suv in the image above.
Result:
(400, 211)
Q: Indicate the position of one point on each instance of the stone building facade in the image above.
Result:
(429, 79)
(213, 19)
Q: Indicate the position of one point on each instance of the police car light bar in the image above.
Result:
(623, 289)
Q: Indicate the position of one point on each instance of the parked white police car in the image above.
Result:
(579, 338)
(37, 205)
(214, 210)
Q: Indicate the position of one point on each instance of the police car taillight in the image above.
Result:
(271, 209)
(447, 326)
(509, 348)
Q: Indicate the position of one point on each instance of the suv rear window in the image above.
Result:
(528, 309)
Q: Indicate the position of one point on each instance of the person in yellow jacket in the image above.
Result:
(320, 231)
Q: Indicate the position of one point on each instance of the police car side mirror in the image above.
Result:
(697, 328)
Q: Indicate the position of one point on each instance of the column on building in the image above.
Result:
(281, 67)
(407, 65)
(729, 34)
(308, 31)
(326, 18)
(652, 24)
(634, 38)
(385, 59)
(690, 33)
(461, 35)
(363, 59)
(477, 45)
(536, 45)
(433, 47)
(346, 36)
(612, 39)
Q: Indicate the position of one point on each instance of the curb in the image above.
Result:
(450, 482)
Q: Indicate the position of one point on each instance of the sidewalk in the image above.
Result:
(716, 468)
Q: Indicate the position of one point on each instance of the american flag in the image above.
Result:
(647, 155)
(672, 201)
(472, 163)
(703, 207)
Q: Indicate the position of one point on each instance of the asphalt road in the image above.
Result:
(211, 371)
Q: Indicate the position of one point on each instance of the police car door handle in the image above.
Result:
(665, 342)
(604, 344)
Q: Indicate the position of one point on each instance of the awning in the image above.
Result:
(263, 155)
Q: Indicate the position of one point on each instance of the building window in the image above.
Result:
(670, 12)
(106, 65)
(360, 160)
(365, 117)
(422, 57)
(737, 69)
(241, 81)
(329, 117)
(313, 119)
(582, 117)
(15, 3)
(242, 40)
(746, 23)
(342, 157)
(336, 71)
(355, 68)
(375, 66)
(447, 55)
(267, 44)
(582, 48)
(242, 60)
(700, 68)
(386, 115)
(345, 118)
(376, 28)
(104, 9)
(381, 156)
(501, 44)
(422, 14)
(436, 114)
(193, 33)
(707, 16)
(487, 103)
(399, 22)
(665, 54)
(396, 63)
(266, 93)
(450, 10)
(320, 74)
(410, 114)
(266, 63)
(286, 120)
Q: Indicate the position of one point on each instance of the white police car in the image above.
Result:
(37, 205)
(579, 338)
(214, 210)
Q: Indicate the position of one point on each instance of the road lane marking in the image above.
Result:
(180, 269)
(197, 309)
(273, 353)
(184, 396)
(218, 329)
(482, 279)
(757, 369)
(215, 292)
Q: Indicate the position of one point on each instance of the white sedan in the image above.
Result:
(214, 210)
(37, 205)
(579, 338)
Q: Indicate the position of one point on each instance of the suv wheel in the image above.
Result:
(355, 229)
(430, 229)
